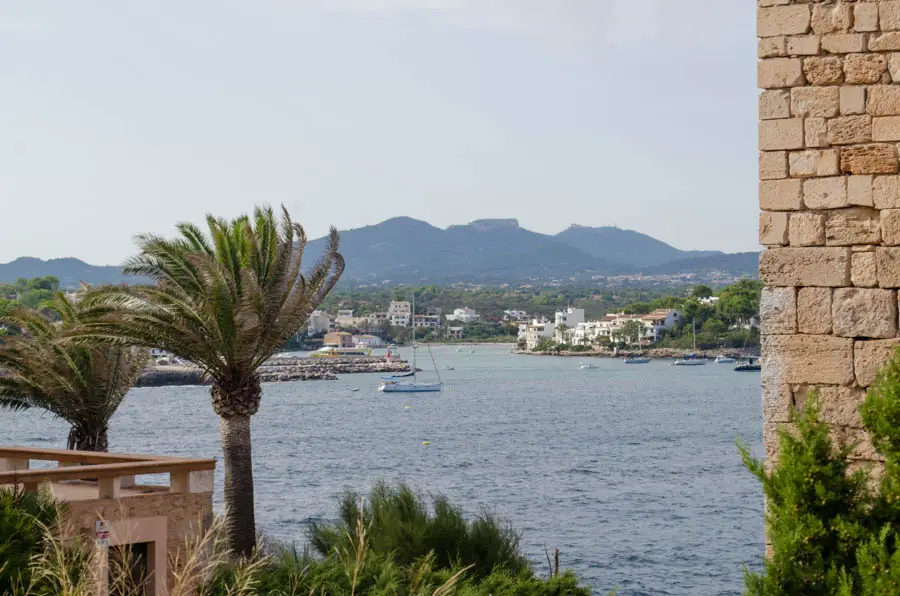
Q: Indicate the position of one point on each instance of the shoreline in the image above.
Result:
(653, 353)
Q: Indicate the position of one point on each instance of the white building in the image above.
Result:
(515, 315)
(400, 313)
(454, 332)
(319, 322)
(369, 341)
(427, 321)
(570, 317)
(377, 318)
(464, 315)
(611, 327)
(536, 331)
(710, 301)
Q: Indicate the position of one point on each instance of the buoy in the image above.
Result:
(426, 442)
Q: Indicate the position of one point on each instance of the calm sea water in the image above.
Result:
(630, 470)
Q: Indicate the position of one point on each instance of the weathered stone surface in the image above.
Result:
(852, 100)
(887, 266)
(859, 190)
(865, 17)
(774, 104)
(778, 403)
(886, 192)
(808, 359)
(780, 195)
(838, 405)
(773, 2)
(885, 42)
(849, 130)
(883, 100)
(826, 18)
(814, 162)
(775, 73)
(827, 70)
(819, 266)
(782, 20)
(858, 439)
(870, 356)
(855, 225)
(864, 159)
(864, 312)
(820, 102)
(844, 43)
(862, 270)
(815, 132)
(824, 193)
(773, 166)
(814, 310)
(807, 229)
(772, 47)
(888, 10)
(800, 45)
(886, 128)
(894, 67)
(775, 135)
(890, 226)
(773, 228)
(864, 68)
(778, 311)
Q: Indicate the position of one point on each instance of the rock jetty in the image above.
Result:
(277, 370)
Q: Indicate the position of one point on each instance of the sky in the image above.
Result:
(121, 118)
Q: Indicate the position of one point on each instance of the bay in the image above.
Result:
(630, 470)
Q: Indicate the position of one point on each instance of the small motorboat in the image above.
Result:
(750, 365)
(589, 366)
(448, 367)
(691, 360)
(636, 360)
(720, 359)
(354, 389)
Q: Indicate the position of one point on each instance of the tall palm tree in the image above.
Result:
(226, 302)
(81, 382)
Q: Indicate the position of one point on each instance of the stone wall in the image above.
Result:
(829, 192)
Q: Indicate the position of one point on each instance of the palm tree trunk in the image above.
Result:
(96, 440)
(240, 521)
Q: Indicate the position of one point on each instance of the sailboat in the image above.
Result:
(393, 385)
(691, 360)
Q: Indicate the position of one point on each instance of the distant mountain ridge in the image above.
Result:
(407, 250)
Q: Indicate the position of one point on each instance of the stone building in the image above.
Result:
(829, 195)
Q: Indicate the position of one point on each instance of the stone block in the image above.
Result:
(858, 439)
(885, 42)
(815, 266)
(782, 20)
(886, 128)
(818, 102)
(809, 359)
(814, 162)
(807, 229)
(889, 12)
(886, 192)
(837, 405)
(859, 190)
(850, 130)
(852, 100)
(825, 193)
(826, 18)
(815, 132)
(774, 104)
(844, 43)
(890, 226)
(775, 135)
(778, 403)
(855, 225)
(776, 73)
(860, 159)
(887, 266)
(865, 17)
(864, 69)
(864, 312)
(773, 2)
(780, 195)
(772, 47)
(773, 228)
(823, 70)
(870, 356)
(778, 311)
(894, 66)
(862, 270)
(814, 310)
(799, 45)
(883, 100)
(773, 166)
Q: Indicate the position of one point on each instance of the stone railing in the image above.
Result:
(112, 473)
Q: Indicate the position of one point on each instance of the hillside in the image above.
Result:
(69, 271)
(625, 247)
(741, 263)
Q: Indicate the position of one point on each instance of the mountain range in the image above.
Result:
(407, 250)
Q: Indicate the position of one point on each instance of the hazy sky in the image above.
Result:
(124, 117)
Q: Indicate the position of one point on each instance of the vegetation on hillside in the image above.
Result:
(28, 293)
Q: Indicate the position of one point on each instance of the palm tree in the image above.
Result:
(225, 302)
(81, 382)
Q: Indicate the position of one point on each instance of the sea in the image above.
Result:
(631, 471)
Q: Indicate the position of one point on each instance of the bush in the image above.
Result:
(834, 532)
(22, 516)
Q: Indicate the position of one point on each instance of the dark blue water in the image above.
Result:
(630, 470)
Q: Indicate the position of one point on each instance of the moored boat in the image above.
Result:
(720, 359)
(749, 365)
(636, 360)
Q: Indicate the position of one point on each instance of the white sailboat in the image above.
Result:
(691, 360)
(393, 385)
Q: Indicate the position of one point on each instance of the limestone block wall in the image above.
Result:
(829, 194)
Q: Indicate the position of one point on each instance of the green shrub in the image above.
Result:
(21, 537)
(833, 532)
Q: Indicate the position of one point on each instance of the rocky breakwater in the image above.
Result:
(277, 370)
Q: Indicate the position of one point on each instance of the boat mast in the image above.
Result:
(412, 320)
(694, 332)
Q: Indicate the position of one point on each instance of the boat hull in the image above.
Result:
(636, 361)
(689, 363)
(411, 387)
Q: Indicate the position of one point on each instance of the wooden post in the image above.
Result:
(556, 563)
